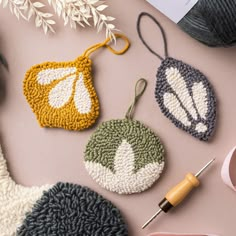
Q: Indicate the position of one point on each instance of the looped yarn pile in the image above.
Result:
(183, 93)
(124, 156)
(69, 209)
(61, 209)
(186, 97)
(62, 95)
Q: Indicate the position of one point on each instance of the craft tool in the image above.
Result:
(178, 193)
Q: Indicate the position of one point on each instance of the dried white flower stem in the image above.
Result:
(103, 21)
(71, 11)
(41, 19)
(26, 9)
(16, 7)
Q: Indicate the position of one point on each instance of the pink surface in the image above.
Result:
(38, 156)
(176, 234)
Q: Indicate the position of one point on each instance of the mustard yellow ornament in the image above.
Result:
(61, 94)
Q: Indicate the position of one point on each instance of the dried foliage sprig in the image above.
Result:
(26, 9)
(79, 12)
(73, 12)
(41, 19)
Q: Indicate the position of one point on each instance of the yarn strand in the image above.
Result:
(140, 87)
(162, 32)
(106, 44)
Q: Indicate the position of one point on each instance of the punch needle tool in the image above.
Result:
(178, 193)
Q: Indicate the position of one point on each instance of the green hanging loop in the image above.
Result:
(140, 87)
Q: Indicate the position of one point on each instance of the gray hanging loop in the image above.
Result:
(162, 32)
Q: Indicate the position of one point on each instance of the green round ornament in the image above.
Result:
(123, 155)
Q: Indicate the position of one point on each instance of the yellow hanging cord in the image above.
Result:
(106, 44)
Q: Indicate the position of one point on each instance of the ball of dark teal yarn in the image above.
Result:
(72, 210)
(212, 22)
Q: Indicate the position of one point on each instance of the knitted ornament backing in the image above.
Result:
(61, 94)
(123, 155)
(62, 209)
(183, 93)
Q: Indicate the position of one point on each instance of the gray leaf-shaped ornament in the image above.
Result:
(186, 97)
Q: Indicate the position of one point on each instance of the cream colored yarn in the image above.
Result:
(15, 200)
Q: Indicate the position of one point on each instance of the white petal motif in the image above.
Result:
(200, 98)
(45, 77)
(101, 174)
(62, 92)
(124, 160)
(82, 98)
(178, 84)
(174, 107)
(124, 180)
(201, 128)
(146, 176)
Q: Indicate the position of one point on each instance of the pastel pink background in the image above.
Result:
(37, 156)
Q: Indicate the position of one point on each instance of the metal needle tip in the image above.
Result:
(160, 210)
(152, 218)
(203, 168)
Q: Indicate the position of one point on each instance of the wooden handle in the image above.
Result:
(178, 193)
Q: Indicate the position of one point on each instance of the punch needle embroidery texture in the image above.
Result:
(62, 209)
(61, 94)
(123, 155)
(183, 93)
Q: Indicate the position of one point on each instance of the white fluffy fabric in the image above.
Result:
(15, 200)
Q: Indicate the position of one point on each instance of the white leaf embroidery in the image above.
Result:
(124, 180)
(62, 92)
(82, 98)
(200, 98)
(45, 77)
(174, 107)
(201, 128)
(178, 84)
